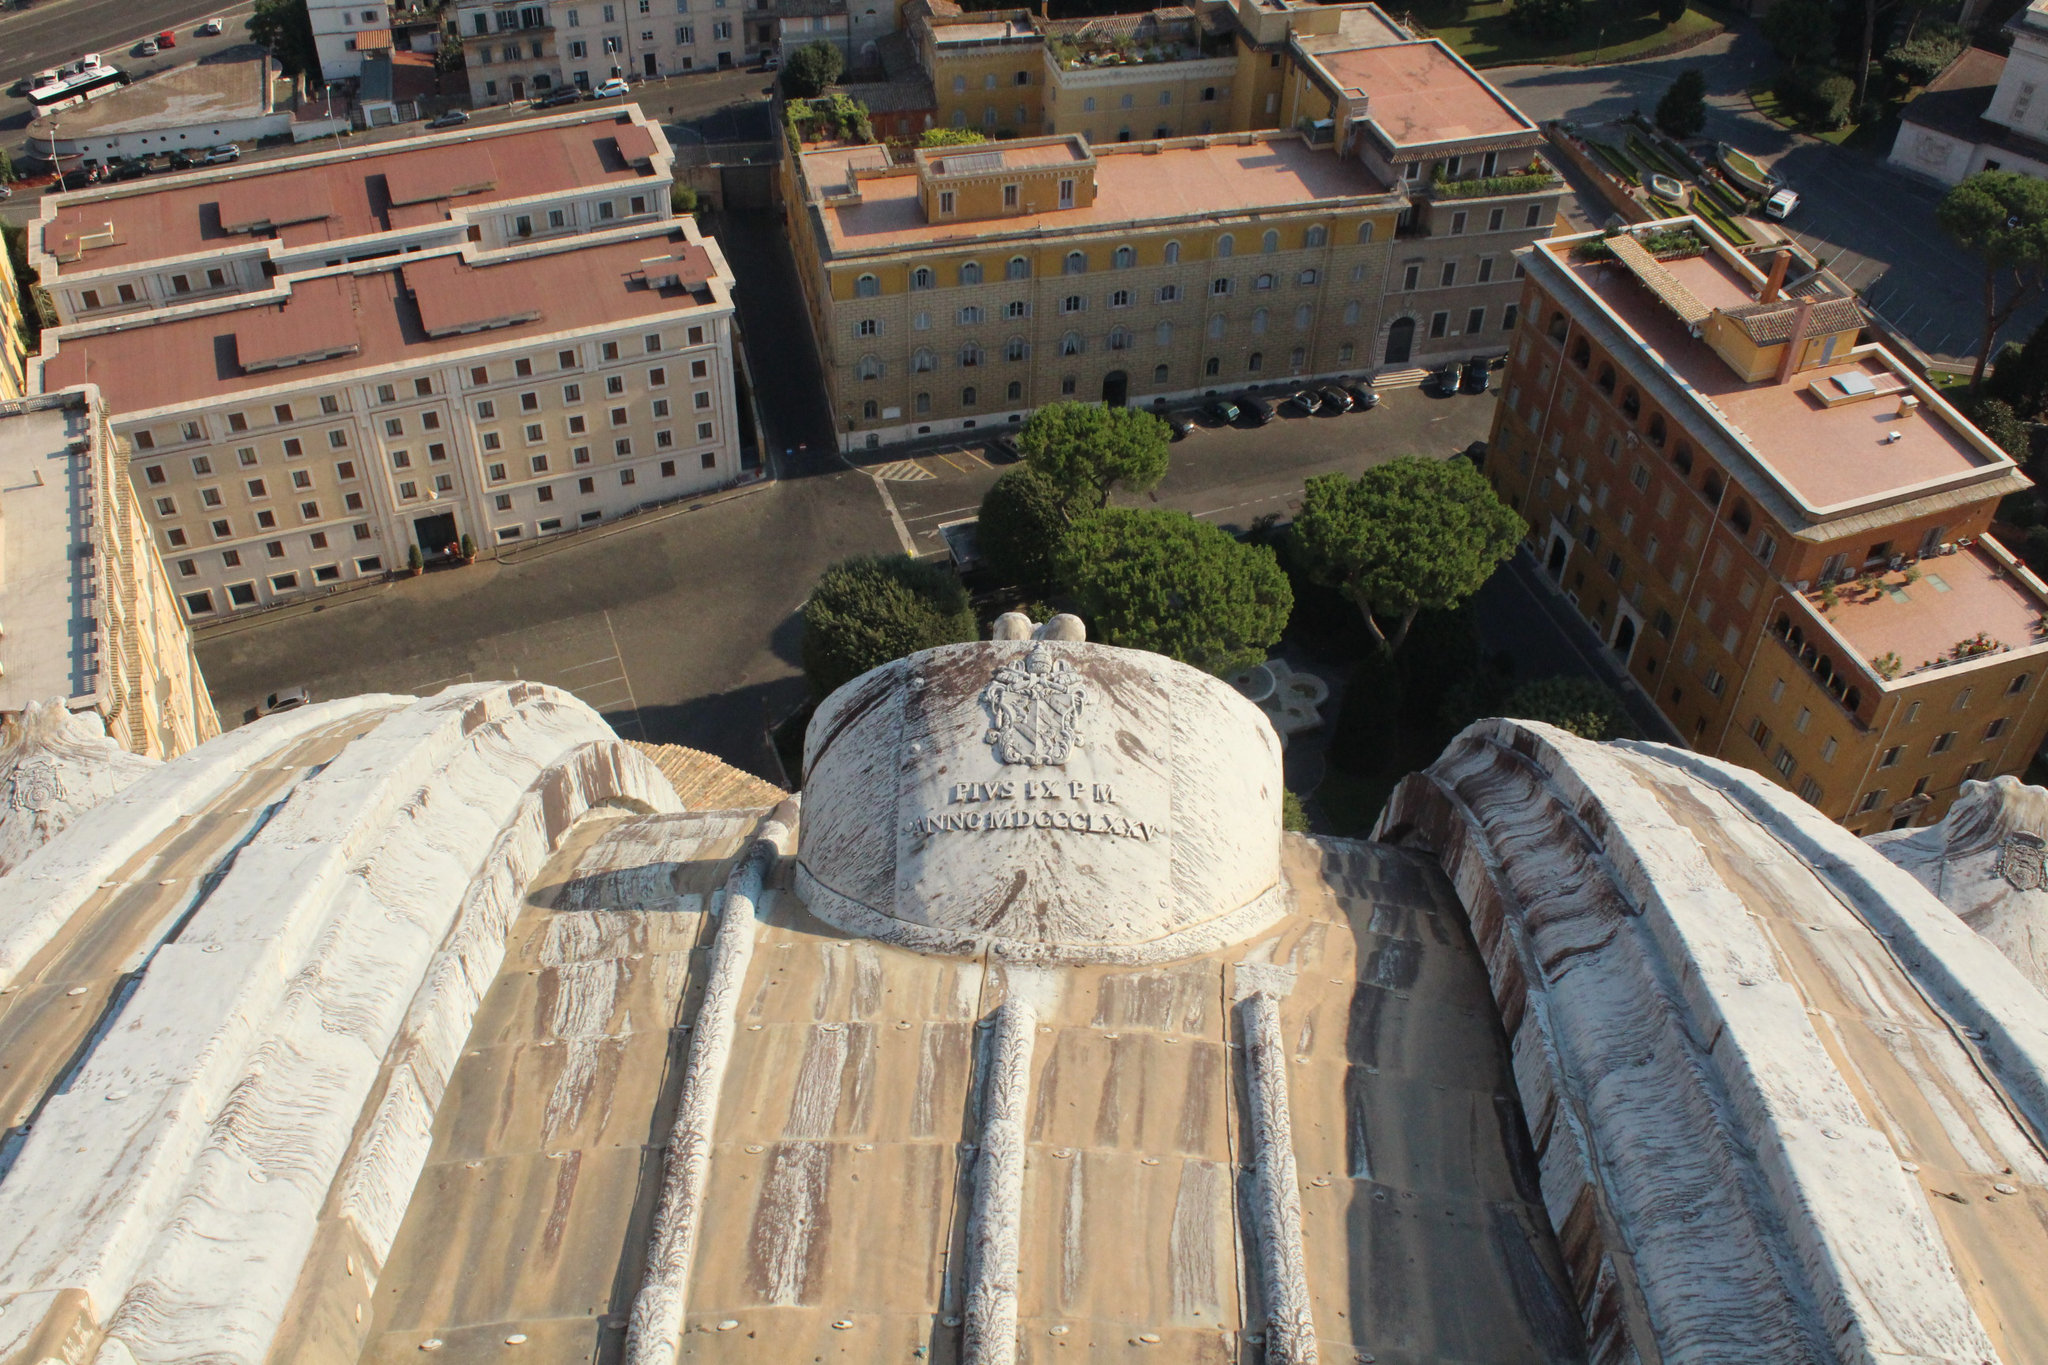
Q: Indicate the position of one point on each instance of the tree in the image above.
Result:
(1546, 18)
(1683, 110)
(1579, 705)
(1158, 580)
(682, 200)
(1023, 520)
(6, 166)
(810, 69)
(1995, 418)
(874, 608)
(1405, 535)
(1801, 32)
(283, 28)
(950, 137)
(2002, 216)
(2020, 376)
(1086, 449)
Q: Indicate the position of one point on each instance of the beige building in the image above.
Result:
(86, 612)
(521, 49)
(14, 303)
(297, 440)
(966, 286)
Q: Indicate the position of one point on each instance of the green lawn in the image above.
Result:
(1483, 35)
(1874, 135)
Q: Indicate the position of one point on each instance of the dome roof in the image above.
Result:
(1045, 799)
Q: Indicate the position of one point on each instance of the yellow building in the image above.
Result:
(1780, 532)
(14, 301)
(987, 67)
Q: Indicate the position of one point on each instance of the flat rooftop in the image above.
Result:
(1420, 93)
(1954, 598)
(232, 84)
(1827, 457)
(47, 598)
(1012, 156)
(336, 196)
(1216, 177)
(1006, 31)
(398, 313)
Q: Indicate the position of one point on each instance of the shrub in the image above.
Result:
(682, 200)
(1292, 817)
(869, 610)
(1924, 56)
(1546, 18)
(950, 137)
(1580, 705)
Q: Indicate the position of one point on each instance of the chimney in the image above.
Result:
(1779, 264)
(1792, 347)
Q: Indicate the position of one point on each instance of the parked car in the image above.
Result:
(1303, 402)
(90, 61)
(1334, 397)
(1781, 205)
(184, 160)
(560, 95)
(454, 118)
(1180, 423)
(1222, 411)
(1447, 378)
(209, 28)
(611, 89)
(147, 49)
(1257, 408)
(1476, 372)
(221, 155)
(290, 699)
(129, 168)
(1363, 397)
(771, 62)
(167, 39)
(6, 192)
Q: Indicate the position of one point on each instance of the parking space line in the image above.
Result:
(949, 460)
(978, 458)
(928, 516)
(594, 663)
(617, 653)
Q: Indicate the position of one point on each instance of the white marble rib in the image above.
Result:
(996, 1223)
(655, 1334)
(1276, 1188)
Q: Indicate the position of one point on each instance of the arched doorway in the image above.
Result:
(1400, 341)
(1624, 638)
(1558, 549)
(1116, 388)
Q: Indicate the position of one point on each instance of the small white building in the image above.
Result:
(1985, 113)
(235, 96)
(341, 32)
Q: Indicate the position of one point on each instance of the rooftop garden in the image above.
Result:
(1085, 52)
(1665, 244)
(1536, 176)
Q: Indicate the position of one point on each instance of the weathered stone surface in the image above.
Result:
(1047, 800)
(55, 766)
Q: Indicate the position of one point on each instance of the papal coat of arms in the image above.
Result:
(1034, 709)
(2021, 861)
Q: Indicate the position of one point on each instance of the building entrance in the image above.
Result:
(1400, 341)
(436, 534)
(1116, 388)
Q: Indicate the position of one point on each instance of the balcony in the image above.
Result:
(1539, 181)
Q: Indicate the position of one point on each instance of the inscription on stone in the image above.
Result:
(1035, 816)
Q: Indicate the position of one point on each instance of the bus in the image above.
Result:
(76, 89)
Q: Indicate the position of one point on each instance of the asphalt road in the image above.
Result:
(1873, 223)
(55, 31)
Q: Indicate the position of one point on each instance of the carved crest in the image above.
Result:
(36, 786)
(1034, 710)
(2021, 861)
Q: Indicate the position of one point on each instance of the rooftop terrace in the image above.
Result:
(1934, 618)
(232, 84)
(399, 313)
(1829, 458)
(337, 196)
(1421, 93)
(48, 597)
(1213, 177)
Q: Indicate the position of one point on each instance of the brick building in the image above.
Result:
(1780, 531)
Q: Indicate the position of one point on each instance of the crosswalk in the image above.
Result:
(901, 471)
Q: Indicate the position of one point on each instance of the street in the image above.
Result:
(55, 31)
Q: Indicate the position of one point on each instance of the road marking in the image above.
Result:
(895, 517)
(978, 458)
(951, 461)
(970, 507)
(902, 471)
(594, 663)
(619, 654)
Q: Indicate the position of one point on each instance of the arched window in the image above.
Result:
(870, 410)
(970, 315)
(1302, 316)
(1072, 344)
(867, 286)
(924, 362)
(1606, 380)
(1681, 459)
(1853, 698)
(1631, 404)
(1557, 327)
(1255, 362)
(1119, 339)
(1216, 325)
(971, 355)
(1123, 259)
(1226, 245)
(1365, 232)
(1258, 321)
(1582, 354)
(1017, 269)
(1270, 243)
(1740, 518)
(1657, 434)
(1317, 235)
(970, 272)
(1711, 485)
(870, 367)
(1173, 253)
(1120, 298)
(1163, 334)
(1262, 282)
(921, 278)
(1016, 390)
(1213, 366)
(1077, 263)
(1018, 349)
(1307, 277)
(967, 396)
(1159, 375)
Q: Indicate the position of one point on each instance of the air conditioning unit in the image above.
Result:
(1948, 547)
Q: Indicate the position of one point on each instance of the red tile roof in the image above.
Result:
(392, 317)
(1419, 93)
(464, 168)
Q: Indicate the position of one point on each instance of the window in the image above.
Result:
(1073, 303)
(200, 603)
(1226, 245)
(1010, 196)
(1123, 258)
(1535, 215)
(1475, 321)
(1255, 362)
(1120, 298)
(867, 287)
(971, 355)
(967, 397)
(1458, 223)
(1219, 286)
(970, 272)
(867, 327)
(1017, 268)
(1439, 324)
(870, 367)
(1072, 344)
(1017, 349)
